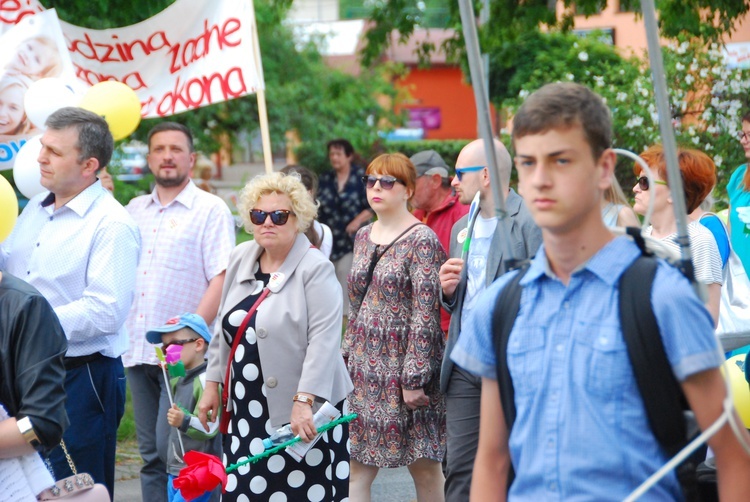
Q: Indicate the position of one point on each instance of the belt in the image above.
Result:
(76, 362)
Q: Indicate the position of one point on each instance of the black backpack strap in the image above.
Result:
(503, 319)
(660, 390)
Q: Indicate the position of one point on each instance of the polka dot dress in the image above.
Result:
(323, 475)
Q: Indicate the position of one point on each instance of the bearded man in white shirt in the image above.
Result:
(188, 235)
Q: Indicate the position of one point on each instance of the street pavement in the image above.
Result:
(391, 485)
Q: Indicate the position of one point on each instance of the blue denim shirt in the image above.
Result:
(581, 432)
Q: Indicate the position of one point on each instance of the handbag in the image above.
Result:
(78, 487)
(733, 329)
(734, 311)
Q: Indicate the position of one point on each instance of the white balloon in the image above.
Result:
(46, 96)
(26, 171)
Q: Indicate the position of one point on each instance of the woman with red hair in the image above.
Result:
(698, 179)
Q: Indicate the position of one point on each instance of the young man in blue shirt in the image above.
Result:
(581, 430)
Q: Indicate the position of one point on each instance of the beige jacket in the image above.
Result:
(298, 327)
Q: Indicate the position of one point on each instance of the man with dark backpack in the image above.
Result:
(581, 428)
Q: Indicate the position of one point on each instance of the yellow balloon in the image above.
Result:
(8, 208)
(740, 388)
(117, 103)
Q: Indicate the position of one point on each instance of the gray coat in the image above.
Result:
(525, 240)
(298, 327)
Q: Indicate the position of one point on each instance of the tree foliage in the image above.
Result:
(706, 97)
(707, 20)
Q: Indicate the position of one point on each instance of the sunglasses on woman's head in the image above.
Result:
(278, 217)
(643, 183)
(386, 182)
(460, 171)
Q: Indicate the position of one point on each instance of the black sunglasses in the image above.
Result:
(386, 182)
(178, 342)
(643, 183)
(278, 217)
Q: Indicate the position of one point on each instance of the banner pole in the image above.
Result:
(260, 95)
(265, 136)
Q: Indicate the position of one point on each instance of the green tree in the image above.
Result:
(706, 97)
(707, 20)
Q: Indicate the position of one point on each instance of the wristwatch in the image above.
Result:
(26, 428)
(303, 399)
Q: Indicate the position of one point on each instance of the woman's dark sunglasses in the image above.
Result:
(278, 217)
(178, 342)
(643, 183)
(386, 182)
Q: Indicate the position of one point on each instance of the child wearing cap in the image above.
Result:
(187, 334)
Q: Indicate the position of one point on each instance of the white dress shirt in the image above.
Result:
(185, 244)
(82, 257)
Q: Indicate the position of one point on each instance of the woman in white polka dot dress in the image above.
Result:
(287, 360)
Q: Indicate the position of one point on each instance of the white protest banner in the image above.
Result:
(192, 54)
(31, 50)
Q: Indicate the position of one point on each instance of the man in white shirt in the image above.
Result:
(187, 235)
(462, 279)
(79, 247)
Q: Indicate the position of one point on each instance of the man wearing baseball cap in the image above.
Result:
(435, 203)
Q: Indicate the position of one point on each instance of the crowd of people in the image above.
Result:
(376, 289)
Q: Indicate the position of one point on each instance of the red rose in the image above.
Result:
(203, 473)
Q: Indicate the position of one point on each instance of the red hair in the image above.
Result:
(697, 169)
(397, 165)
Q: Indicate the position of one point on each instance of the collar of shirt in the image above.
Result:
(607, 264)
(80, 204)
(185, 197)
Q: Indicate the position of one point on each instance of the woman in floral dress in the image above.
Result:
(393, 343)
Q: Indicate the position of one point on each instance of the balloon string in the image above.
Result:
(276, 449)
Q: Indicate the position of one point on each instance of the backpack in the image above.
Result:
(666, 407)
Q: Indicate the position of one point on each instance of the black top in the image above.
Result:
(32, 347)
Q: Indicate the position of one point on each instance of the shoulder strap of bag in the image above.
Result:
(503, 319)
(661, 393)
(236, 343)
(376, 257)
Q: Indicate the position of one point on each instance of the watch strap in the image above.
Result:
(26, 428)
(303, 399)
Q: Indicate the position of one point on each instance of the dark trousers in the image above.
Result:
(150, 406)
(95, 404)
(462, 401)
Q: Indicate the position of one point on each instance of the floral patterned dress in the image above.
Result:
(394, 341)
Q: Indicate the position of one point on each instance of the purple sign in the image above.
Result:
(426, 118)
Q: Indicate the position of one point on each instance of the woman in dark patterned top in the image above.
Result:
(393, 343)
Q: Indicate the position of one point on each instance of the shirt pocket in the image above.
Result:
(182, 251)
(601, 363)
(525, 355)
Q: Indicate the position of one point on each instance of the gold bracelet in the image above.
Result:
(26, 428)
(303, 399)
